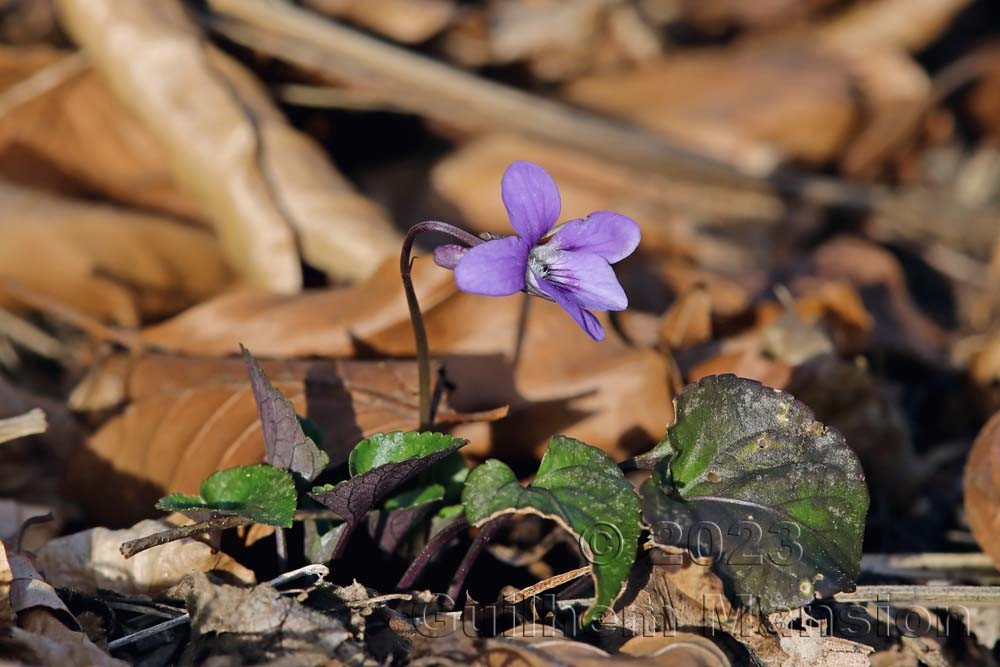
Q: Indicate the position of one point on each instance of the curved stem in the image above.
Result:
(419, 331)
(485, 536)
(431, 551)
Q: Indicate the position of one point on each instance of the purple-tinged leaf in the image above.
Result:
(286, 445)
(378, 466)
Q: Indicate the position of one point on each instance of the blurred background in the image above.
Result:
(817, 183)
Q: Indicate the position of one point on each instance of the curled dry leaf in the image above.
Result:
(267, 188)
(407, 21)
(982, 488)
(64, 130)
(263, 626)
(186, 418)
(91, 559)
(113, 264)
(329, 323)
(555, 379)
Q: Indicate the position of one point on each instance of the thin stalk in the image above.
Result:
(419, 331)
(485, 536)
(431, 551)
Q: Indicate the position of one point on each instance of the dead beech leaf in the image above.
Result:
(469, 179)
(188, 417)
(678, 650)
(110, 263)
(42, 639)
(91, 559)
(982, 488)
(752, 105)
(328, 323)
(407, 21)
(267, 188)
(555, 379)
(668, 590)
(76, 139)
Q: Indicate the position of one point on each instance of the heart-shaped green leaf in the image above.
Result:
(749, 476)
(581, 489)
(260, 493)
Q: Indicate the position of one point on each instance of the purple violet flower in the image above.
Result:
(570, 265)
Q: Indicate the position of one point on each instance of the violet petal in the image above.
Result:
(606, 234)
(447, 256)
(531, 198)
(494, 268)
(587, 320)
(588, 280)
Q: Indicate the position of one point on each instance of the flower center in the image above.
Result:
(541, 258)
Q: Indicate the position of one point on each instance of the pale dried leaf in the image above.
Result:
(266, 187)
(407, 21)
(91, 559)
(74, 137)
(43, 640)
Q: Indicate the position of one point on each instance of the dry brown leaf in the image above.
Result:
(42, 639)
(327, 323)
(91, 559)
(407, 21)
(717, 15)
(982, 488)
(188, 417)
(7, 615)
(110, 263)
(555, 378)
(984, 369)
(752, 105)
(74, 137)
(469, 179)
(688, 321)
(267, 188)
(14, 513)
(679, 649)
(668, 591)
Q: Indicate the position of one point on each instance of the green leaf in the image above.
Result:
(750, 477)
(260, 493)
(378, 466)
(417, 496)
(581, 489)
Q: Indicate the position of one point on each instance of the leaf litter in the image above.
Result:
(816, 189)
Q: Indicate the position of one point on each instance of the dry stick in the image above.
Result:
(432, 89)
(42, 81)
(976, 596)
(547, 584)
(30, 423)
(132, 547)
(70, 315)
(440, 91)
(27, 334)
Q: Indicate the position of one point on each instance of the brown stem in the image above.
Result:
(132, 547)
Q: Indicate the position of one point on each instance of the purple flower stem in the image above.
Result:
(485, 536)
(431, 551)
(419, 332)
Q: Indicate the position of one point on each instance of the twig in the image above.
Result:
(132, 547)
(27, 334)
(42, 81)
(31, 422)
(430, 88)
(920, 564)
(547, 584)
(942, 596)
(70, 315)
(379, 599)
